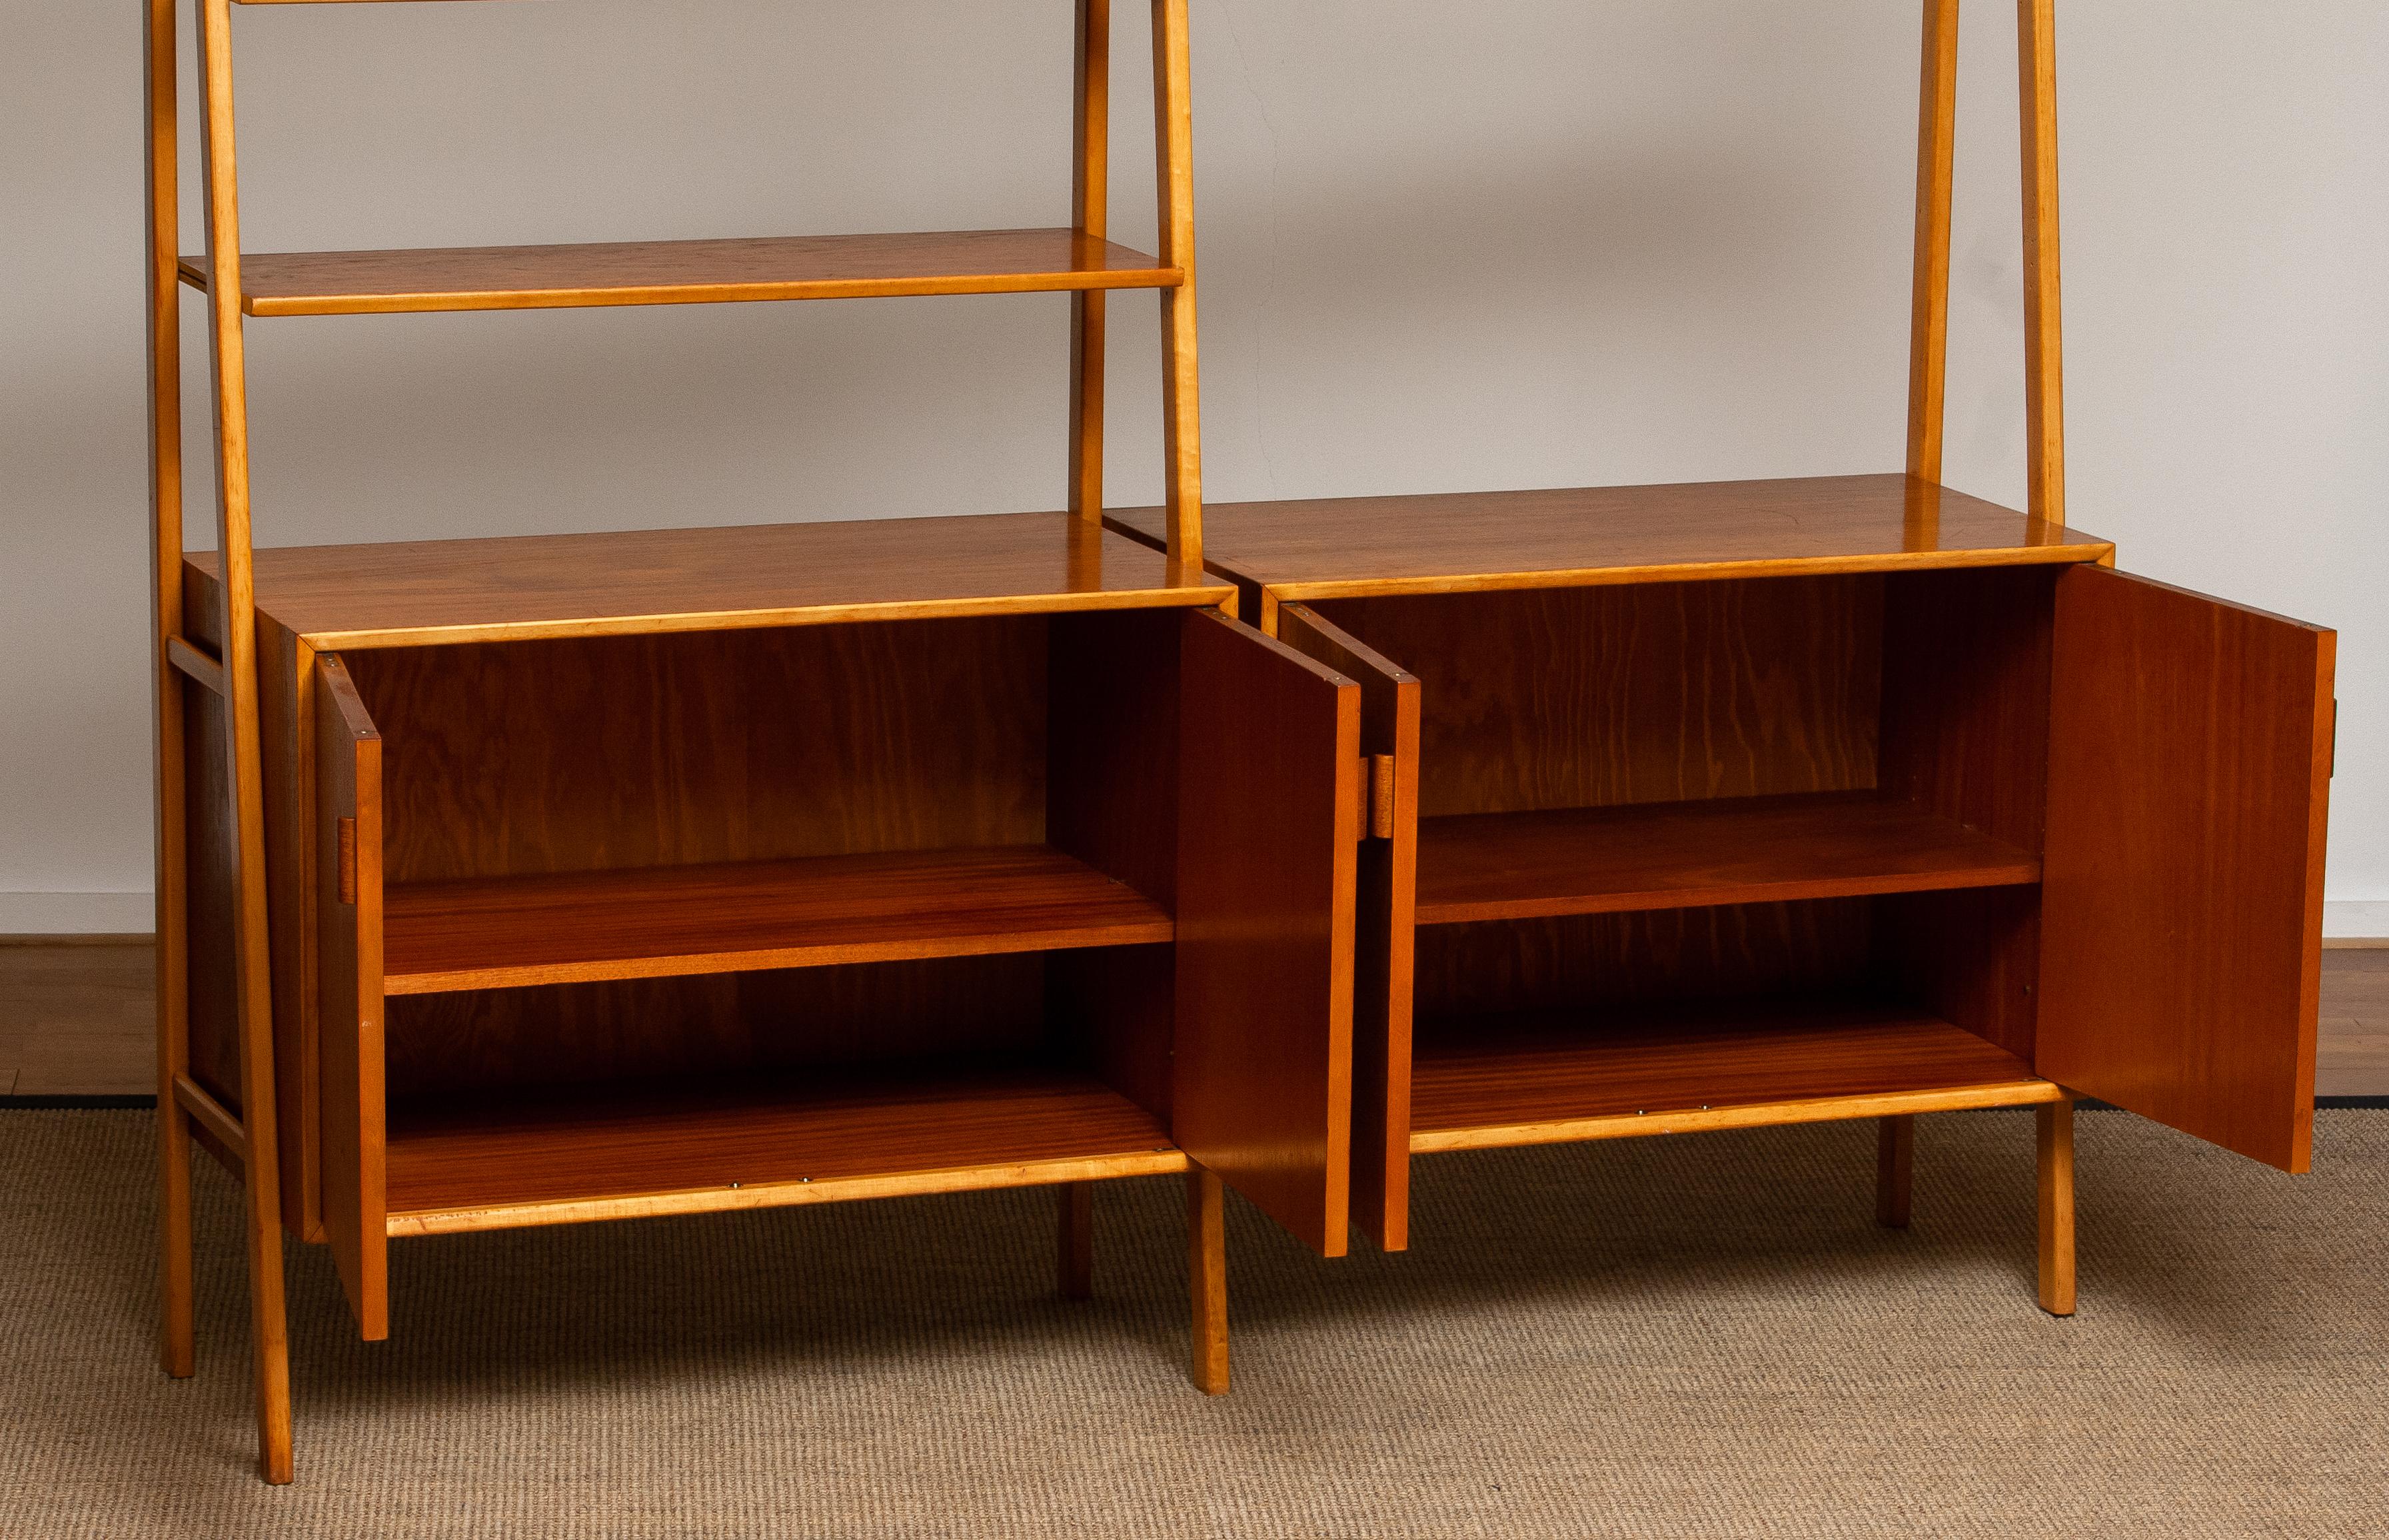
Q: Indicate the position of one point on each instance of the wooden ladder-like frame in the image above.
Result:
(247, 1139)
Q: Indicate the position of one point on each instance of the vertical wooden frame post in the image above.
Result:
(175, 1348)
(2044, 387)
(1090, 197)
(1173, 119)
(1928, 341)
(251, 963)
(2054, 1140)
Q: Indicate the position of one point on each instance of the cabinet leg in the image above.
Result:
(1206, 1271)
(2055, 1141)
(1075, 1239)
(1894, 1168)
(176, 1353)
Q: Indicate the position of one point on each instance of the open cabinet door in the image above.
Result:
(1385, 924)
(348, 998)
(2189, 766)
(1268, 830)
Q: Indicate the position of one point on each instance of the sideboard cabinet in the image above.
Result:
(815, 862)
(1713, 805)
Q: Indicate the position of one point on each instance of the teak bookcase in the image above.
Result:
(532, 881)
(1716, 805)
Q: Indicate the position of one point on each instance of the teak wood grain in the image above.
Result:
(770, 575)
(647, 1151)
(1570, 1076)
(1385, 934)
(1965, 708)
(1591, 860)
(1445, 542)
(962, 1010)
(2190, 777)
(349, 906)
(1554, 698)
(496, 933)
(1269, 797)
(684, 272)
(1645, 959)
(622, 753)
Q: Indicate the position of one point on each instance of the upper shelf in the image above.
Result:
(518, 588)
(1453, 543)
(1684, 854)
(569, 927)
(685, 273)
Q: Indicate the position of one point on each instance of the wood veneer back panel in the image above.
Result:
(1112, 767)
(1601, 961)
(1651, 693)
(667, 1030)
(1965, 712)
(564, 756)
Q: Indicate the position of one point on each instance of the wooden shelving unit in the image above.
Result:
(532, 881)
(540, 879)
(1729, 804)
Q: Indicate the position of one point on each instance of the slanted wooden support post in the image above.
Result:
(251, 963)
(1173, 116)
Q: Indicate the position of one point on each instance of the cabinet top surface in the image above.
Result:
(1351, 547)
(518, 588)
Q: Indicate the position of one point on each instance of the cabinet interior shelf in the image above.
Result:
(624, 1154)
(502, 932)
(684, 272)
(1479, 1083)
(1684, 854)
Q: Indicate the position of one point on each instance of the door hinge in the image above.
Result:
(2333, 772)
(348, 858)
(1380, 767)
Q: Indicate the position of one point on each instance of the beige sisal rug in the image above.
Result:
(1705, 1336)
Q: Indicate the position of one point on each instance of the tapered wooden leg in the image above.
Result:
(1206, 1271)
(1895, 1164)
(1075, 1239)
(2055, 1130)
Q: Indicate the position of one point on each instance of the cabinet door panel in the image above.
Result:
(1385, 930)
(349, 981)
(1268, 822)
(2190, 744)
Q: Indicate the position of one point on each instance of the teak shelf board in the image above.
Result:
(624, 1154)
(518, 588)
(684, 272)
(498, 932)
(1457, 543)
(1682, 855)
(1551, 1078)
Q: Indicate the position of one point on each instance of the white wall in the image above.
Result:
(1444, 247)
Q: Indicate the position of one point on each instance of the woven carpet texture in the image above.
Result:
(1664, 1337)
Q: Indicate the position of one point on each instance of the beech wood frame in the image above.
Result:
(247, 1141)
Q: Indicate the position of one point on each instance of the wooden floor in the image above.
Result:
(75, 1018)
